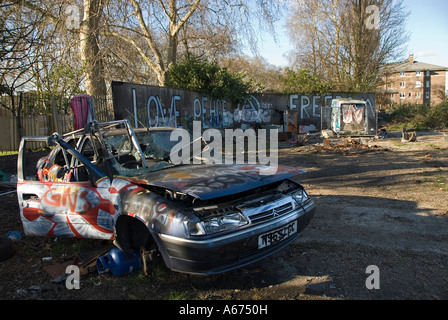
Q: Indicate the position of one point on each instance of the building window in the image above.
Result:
(402, 95)
(427, 73)
(427, 95)
(410, 95)
(390, 85)
(417, 73)
(427, 84)
(402, 74)
(418, 84)
(417, 95)
(402, 84)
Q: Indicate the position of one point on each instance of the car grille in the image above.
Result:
(271, 213)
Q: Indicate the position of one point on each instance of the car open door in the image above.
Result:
(53, 203)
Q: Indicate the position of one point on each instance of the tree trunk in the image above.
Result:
(90, 52)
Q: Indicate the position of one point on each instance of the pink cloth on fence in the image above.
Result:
(82, 106)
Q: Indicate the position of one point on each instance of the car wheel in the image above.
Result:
(6, 248)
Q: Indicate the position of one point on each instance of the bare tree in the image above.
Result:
(347, 42)
(155, 29)
(140, 39)
(91, 55)
(21, 39)
(263, 77)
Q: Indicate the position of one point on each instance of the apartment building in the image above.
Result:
(413, 82)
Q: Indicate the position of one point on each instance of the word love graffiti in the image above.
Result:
(212, 113)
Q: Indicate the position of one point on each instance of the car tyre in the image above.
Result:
(6, 248)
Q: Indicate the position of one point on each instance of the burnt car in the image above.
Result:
(110, 181)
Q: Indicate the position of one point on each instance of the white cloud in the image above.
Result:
(429, 53)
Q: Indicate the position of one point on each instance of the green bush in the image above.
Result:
(420, 116)
(439, 114)
(197, 74)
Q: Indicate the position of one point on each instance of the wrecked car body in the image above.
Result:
(109, 181)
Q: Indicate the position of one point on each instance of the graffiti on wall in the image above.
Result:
(213, 113)
(253, 110)
(310, 106)
(154, 106)
(157, 107)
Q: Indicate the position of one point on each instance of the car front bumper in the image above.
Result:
(220, 253)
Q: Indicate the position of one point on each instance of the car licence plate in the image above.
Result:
(272, 237)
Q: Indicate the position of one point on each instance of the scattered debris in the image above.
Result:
(350, 147)
(14, 236)
(85, 260)
(119, 263)
(328, 134)
(408, 136)
(88, 258)
(322, 286)
(382, 134)
(57, 271)
(301, 140)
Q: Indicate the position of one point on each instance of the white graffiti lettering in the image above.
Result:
(179, 108)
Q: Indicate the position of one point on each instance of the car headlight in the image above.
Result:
(210, 225)
(300, 196)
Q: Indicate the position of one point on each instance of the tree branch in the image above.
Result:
(136, 46)
(148, 37)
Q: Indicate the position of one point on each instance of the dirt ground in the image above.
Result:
(381, 203)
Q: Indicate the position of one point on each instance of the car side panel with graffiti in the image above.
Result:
(106, 182)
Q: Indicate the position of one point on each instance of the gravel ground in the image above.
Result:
(381, 203)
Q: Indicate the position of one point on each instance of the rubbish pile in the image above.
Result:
(105, 260)
(349, 146)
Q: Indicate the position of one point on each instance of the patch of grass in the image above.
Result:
(158, 271)
(440, 183)
(8, 153)
(138, 278)
(176, 295)
(69, 246)
(426, 173)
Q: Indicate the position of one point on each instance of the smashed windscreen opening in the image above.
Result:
(126, 159)
(153, 153)
(160, 145)
(156, 145)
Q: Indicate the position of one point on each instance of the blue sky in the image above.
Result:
(427, 24)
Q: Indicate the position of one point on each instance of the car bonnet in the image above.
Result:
(211, 181)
